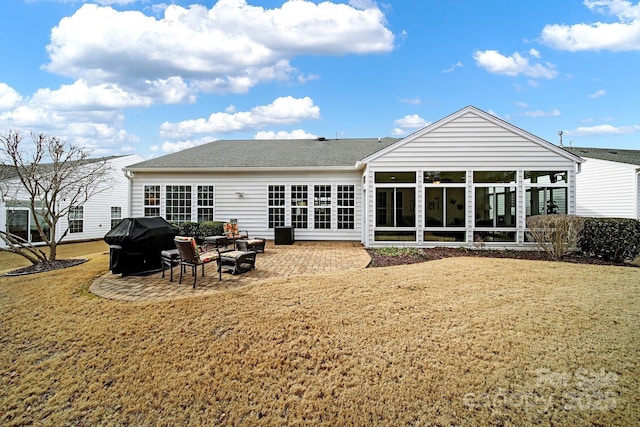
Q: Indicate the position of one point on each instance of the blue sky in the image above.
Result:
(150, 78)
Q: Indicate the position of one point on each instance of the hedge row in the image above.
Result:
(612, 239)
(200, 230)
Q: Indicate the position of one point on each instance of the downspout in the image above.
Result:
(638, 194)
(129, 174)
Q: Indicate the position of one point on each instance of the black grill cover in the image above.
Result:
(135, 244)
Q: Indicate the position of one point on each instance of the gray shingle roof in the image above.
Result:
(631, 157)
(270, 154)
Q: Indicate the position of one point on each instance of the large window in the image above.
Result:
(76, 219)
(151, 200)
(495, 205)
(21, 223)
(178, 203)
(546, 192)
(116, 215)
(444, 206)
(276, 206)
(299, 206)
(395, 207)
(205, 203)
(322, 206)
(346, 207)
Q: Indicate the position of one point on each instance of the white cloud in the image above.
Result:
(605, 130)
(411, 101)
(9, 97)
(411, 121)
(294, 134)
(623, 35)
(521, 104)
(514, 65)
(81, 96)
(534, 53)
(539, 113)
(408, 123)
(597, 94)
(228, 48)
(173, 146)
(453, 67)
(282, 111)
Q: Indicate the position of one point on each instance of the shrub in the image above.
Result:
(211, 228)
(394, 251)
(200, 230)
(612, 239)
(555, 234)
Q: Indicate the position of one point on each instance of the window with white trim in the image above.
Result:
(205, 203)
(545, 192)
(151, 200)
(276, 206)
(299, 206)
(178, 203)
(116, 215)
(495, 205)
(76, 219)
(322, 207)
(346, 201)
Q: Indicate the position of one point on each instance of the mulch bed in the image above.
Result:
(45, 266)
(429, 254)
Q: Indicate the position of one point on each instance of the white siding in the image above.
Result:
(251, 210)
(471, 142)
(97, 210)
(607, 189)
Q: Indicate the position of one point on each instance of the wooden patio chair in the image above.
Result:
(190, 256)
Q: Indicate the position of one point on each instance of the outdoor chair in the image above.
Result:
(190, 256)
(232, 232)
(238, 261)
(255, 244)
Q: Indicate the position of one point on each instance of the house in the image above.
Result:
(92, 220)
(468, 177)
(609, 184)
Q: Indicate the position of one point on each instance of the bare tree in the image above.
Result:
(52, 178)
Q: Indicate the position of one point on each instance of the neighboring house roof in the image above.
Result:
(470, 109)
(255, 153)
(631, 157)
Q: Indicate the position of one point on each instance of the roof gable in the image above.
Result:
(473, 111)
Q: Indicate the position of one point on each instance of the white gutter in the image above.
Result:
(240, 169)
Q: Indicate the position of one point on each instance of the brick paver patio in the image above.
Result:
(301, 258)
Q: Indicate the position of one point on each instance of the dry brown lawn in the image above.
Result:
(460, 341)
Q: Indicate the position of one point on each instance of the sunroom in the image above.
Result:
(468, 180)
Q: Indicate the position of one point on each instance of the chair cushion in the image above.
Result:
(208, 256)
(188, 239)
(255, 241)
(233, 254)
(169, 253)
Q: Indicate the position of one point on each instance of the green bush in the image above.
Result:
(200, 230)
(612, 239)
(212, 228)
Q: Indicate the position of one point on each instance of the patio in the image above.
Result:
(301, 258)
